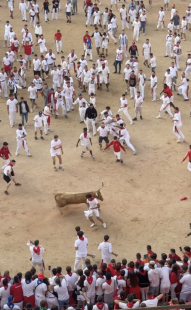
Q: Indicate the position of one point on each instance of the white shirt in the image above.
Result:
(35, 257)
(71, 280)
(138, 101)
(151, 302)
(40, 289)
(7, 28)
(143, 17)
(84, 141)
(123, 39)
(42, 44)
(142, 78)
(154, 277)
(183, 24)
(177, 50)
(44, 65)
(38, 30)
(173, 71)
(32, 12)
(86, 75)
(28, 289)
(68, 91)
(127, 73)
(49, 59)
(123, 103)
(6, 61)
(153, 81)
(68, 7)
(12, 105)
(37, 64)
(136, 25)
(169, 39)
(106, 250)
(62, 290)
(72, 58)
(177, 117)
(99, 283)
(38, 121)
(20, 133)
(92, 203)
(82, 247)
(4, 294)
(147, 48)
(83, 63)
(11, 34)
(168, 78)
(114, 22)
(103, 131)
(7, 170)
(108, 289)
(123, 13)
(165, 100)
(186, 283)
(55, 144)
(55, 75)
(170, 26)
(22, 6)
(32, 92)
(172, 13)
(10, 56)
(90, 287)
(3, 76)
(153, 62)
(164, 275)
(132, 14)
(161, 15)
(124, 306)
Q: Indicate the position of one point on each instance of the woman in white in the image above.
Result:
(61, 289)
(50, 296)
(109, 287)
(42, 43)
(177, 125)
(4, 292)
(56, 150)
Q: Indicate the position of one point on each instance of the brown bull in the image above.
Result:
(73, 198)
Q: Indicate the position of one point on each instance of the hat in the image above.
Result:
(40, 113)
(152, 262)
(80, 94)
(40, 275)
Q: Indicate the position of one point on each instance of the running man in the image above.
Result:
(56, 150)
(21, 141)
(94, 208)
(188, 154)
(8, 175)
(86, 140)
(116, 149)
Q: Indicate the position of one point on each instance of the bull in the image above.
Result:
(69, 198)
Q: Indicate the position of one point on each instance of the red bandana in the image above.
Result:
(151, 297)
(123, 267)
(100, 305)
(5, 287)
(89, 279)
(36, 250)
(81, 238)
(70, 274)
(142, 273)
(130, 304)
(58, 274)
(85, 135)
(102, 277)
(10, 164)
(108, 281)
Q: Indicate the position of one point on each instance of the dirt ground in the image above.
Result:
(141, 198)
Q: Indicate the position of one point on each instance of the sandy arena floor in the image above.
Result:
(141, 198)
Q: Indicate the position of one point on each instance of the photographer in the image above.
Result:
(21, 141)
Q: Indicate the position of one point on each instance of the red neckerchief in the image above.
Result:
(100, 305)
(92, 198)
(151, 297)
(72, 55)
(186, 264)
(50, 54)
(130, 304)
(101, 277)
(85, 135)
(130, 269)
(5, 287)
(123, 267)
(108, 281)
(89, 279)
(70, 274)
(36, 250)
(81, 238)
(142, 273)
(10, 164)
(120, 278)
(58, 274)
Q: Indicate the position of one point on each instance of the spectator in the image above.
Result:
(61, 289)
(50, 297)
(152, 300)
(71, 279)
(100, 280)
(165, 281)
(10, 304)
(89, 286)
(174, 255)
(28, 287)
(133, 284)
(24, 110)
(4, 292)
(17, 292)
(142, 275)
(109, 287)
(40, 289)
(185, 293)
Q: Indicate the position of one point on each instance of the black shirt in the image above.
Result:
(46, 5)
(132, 81)
(91, 113)
(55, 4)
(132, 50)
(26, 106)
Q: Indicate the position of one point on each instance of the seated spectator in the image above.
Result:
(152, 301)
(100, 305)
(10, 304)
(131, 304)
(118, 296)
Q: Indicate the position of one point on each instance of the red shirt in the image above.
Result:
(175, 255)
(111, 270)
(28, 49)
(58, 36)
(116, 146)
(141, 262)
(4, 151)
(168, 91)
(88, 2)
(17, 292)
(188, 154)
(173, 278)
(84, 39)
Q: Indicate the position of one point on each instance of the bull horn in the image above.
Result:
(101, 187)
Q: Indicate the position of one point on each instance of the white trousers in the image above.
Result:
(188, 167)
(89, 19)
(58, 46)
(77, 263)
(142, 89)
(89, 122)
(62, 105)
(188, 71)
(167, 109)
(176, 58)
(4, 88)
(169, 51)
(33, 21)
(69, 103)
(22, 80)
(6, 162)
(55, 12)
(125, 23)
(177, 132)
(110, 33)
(45, 16)
(55, 85)
(82, 112)
(133, 92)
(124, 49)
(88, 52)
(22, 143)
(23, 12)
(144, 291)
(125, 111)
(136, 34)
(160, 24)
(182, 91)
(127, 141)
(154, 94)
(12, 117)
(172, 290)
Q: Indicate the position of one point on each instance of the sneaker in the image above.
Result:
(55, 169)
(135, 119)
(131, 123)
(92, 225)
(29, 155)
(141, 117)
(60, 168)
(134, 152)
(122, 161)
(81, 155)
(153, 100)
(42, 138)
(104, 225)
(178, 141)
(36, 138)
(158, 116)
(16, 154)
(6, 192)
(92, 157)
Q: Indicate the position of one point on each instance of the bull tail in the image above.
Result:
(101, 186)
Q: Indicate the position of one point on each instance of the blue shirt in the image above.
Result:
(132, 5)
(89, 44)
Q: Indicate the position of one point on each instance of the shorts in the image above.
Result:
(37, 35)
(183, 30)
(63, 303)
(85, 46)
(103, 79)
(103, 138)
(68, 13)
(164, 290)
(7, 68)
(43, 50)
(95, 212)
(39, 264)
(32, 100)
(113, 2)
(146, 55)
(37, 72)
(104, 45)
(86, 148)
(176, 27)
(6, 178)
(55, 153)
(37, 128)
(118, 155)
(105, 22)
(98, 43)
(166, 1)
(28, 57)
(14, 48)
(45, 72)
(6, 36)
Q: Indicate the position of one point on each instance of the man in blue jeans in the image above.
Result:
(118, 59)
(24, 110)
(143, 20)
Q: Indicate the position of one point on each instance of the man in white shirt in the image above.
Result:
(8, 175)
(151, 301)
(183, 87)
(40, 289)
(97, 37)
(85, 139)
(123, 16)
(177, 125)
(174, 73)
(36, 65)
(80, 245)
(124, 137)
(21, 141)
(136, 26)
(138, 106)
(38, 120)
(123, 42)
(131, 303)
(36, 251)
(104, 132)
(3, 82)
(71, 279)
(177, 52)
(94, 207)
(50, 58)
(146, 51)
(55, 151)
(186, 286)
(165, 280)
(68, 11)
(168, 78)
(89, 286)
(165, 105)
(161, 19)
(7, 30)
(23, 9)
(154, 278)
(72, 57)
(153, 80)
(169, 51)
(12, 109)
(153, 63)
(56, 78)
(83, 104)
(142, 80)
(106, 250)
(124, 108)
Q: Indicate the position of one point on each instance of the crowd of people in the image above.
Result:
(113, 284)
